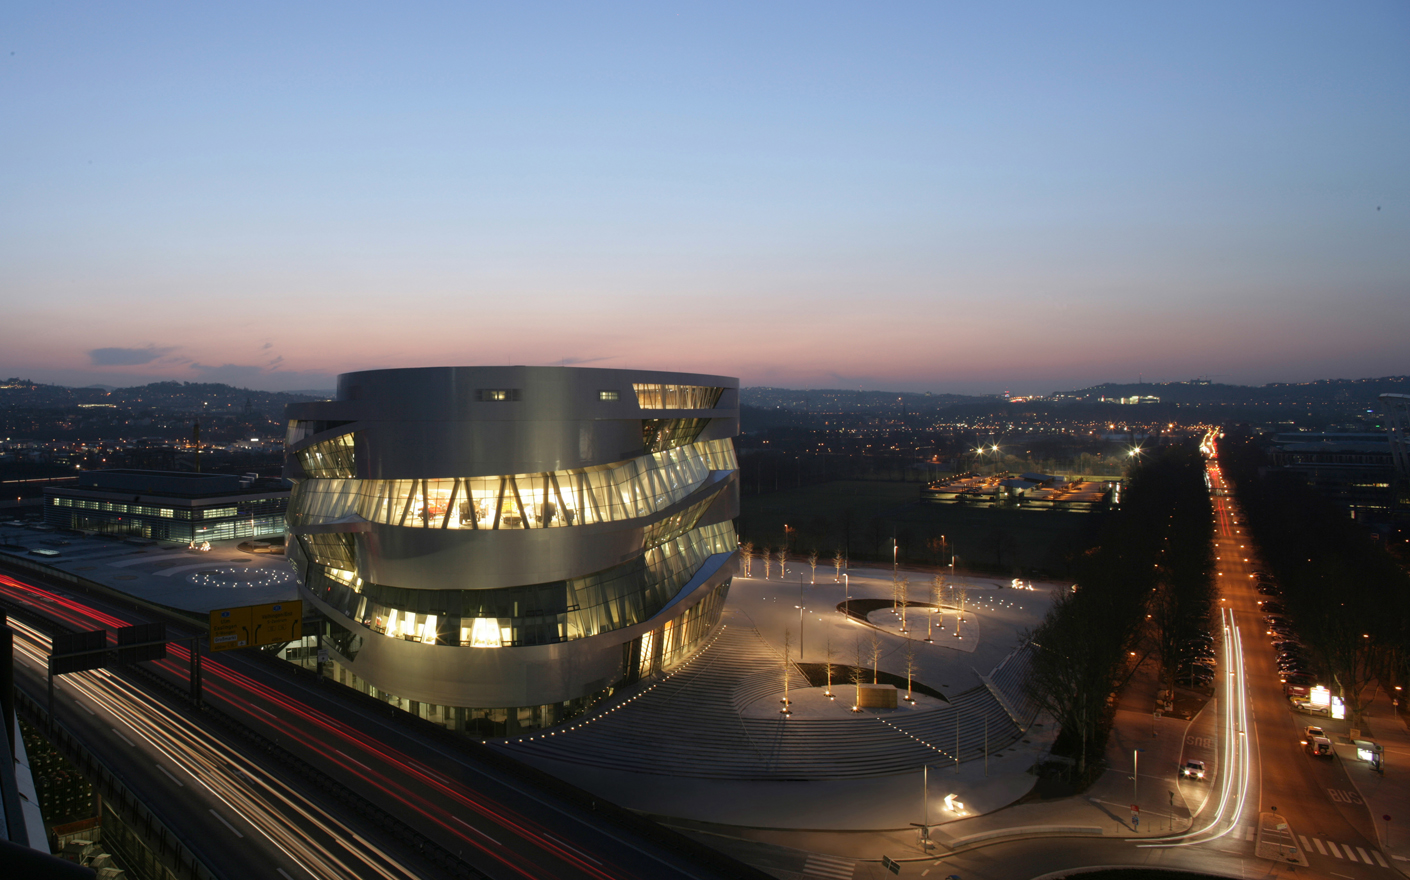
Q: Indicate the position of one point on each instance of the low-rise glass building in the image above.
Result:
(168, 505)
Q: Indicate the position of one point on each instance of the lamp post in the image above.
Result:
(800, 617)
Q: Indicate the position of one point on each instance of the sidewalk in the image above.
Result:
(1103, 811)
(1388, 794)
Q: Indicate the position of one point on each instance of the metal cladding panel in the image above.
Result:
(412, 449)
(433, 422)
(431, 393)
(490, 677)
(465, 559)
(726, 504)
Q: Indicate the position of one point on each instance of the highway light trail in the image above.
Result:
(1236, 768)
(280, 814)
(235, 691)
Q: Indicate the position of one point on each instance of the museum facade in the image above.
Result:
(497, 548)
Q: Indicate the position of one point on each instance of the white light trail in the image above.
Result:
(279, 813)
(1236, 769)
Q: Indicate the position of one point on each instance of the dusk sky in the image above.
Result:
(931, 196)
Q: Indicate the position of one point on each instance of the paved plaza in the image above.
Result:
(166, 574)
(708, 742)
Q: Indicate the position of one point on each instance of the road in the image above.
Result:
(226, 808)
(501, 825)
(1264, 776)
(1312, 794)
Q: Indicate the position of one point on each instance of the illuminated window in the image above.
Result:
(653, 396)
(609, 395)
(331, 458)
(497, 394)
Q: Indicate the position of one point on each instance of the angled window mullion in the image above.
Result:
(558, 493)
(410, 497)
(499, 504)
(470, 499)
(523, 514)
(450, 505)
(589, 490)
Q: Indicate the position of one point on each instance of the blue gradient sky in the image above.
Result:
(918, 196)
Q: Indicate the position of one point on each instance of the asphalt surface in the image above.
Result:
(1313, 794)
(1258, 764)
(500, 825)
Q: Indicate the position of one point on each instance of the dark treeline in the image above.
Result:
(1349, 600)
(1153, 557)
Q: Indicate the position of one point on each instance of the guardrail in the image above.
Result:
(165, 847)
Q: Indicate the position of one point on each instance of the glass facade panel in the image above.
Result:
(334, 550)
(656, 396)
(535, 614)
(331, 458)
(658, 434)
(608, 493)
(257, 517)
(301, 429)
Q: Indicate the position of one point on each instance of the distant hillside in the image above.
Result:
(182, 396)
(835, 400)
(1322, 391)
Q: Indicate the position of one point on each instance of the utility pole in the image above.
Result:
(800, 617)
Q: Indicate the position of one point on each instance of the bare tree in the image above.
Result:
(837, 565)
(813, 566)
(910, 668)
(874, 646)
(768, 555)
(858, 676)
(963, 595)
(746, 550)
(783, 561)
(830, 654)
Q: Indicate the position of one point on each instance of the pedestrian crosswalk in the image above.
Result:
(1345, 852)
(829, 867)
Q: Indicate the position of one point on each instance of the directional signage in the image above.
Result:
(141, 634)
(254, 625)
(891, 864)
(88, 646)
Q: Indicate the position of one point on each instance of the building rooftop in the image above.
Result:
(174, 484)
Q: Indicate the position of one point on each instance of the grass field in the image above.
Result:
(866, 515)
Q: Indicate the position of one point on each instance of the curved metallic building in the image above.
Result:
(499, 547)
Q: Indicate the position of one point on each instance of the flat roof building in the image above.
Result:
(168, 505)
(497, 548)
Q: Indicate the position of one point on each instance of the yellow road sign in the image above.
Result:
(279, 622)
(254, 625)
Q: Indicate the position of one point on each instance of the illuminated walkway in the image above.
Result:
(694, 724)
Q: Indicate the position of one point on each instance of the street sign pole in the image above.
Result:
(195, 674)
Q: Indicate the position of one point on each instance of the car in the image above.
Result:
(1321, 746)
(1313, 730)
(1192, 770)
